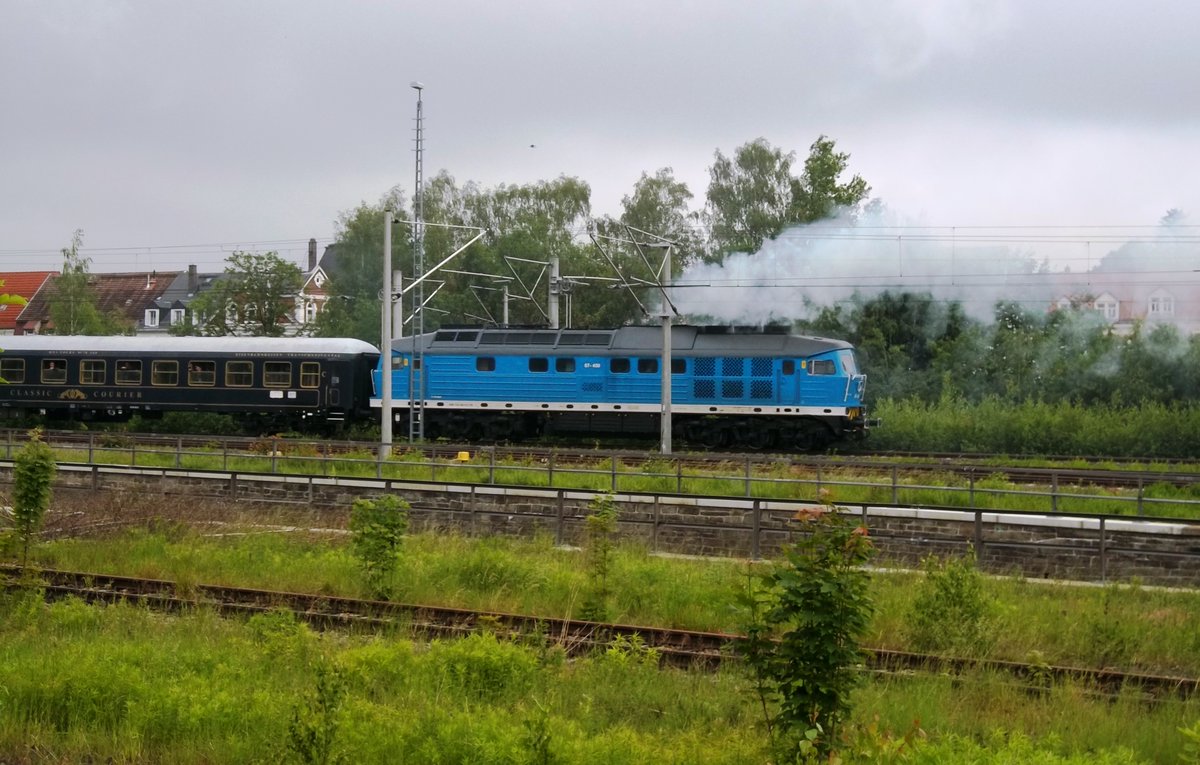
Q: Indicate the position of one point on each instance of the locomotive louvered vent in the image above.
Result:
(593, 387)
(760, 367)
(706, 367)
(599, 338)
(705, 389)
(733, 366)
(731, 389)
(761, 389)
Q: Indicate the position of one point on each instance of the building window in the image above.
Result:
(91, 372)
(176, 316)
(310, 311)
(239, 374)
(151, 317)
(54, 371)
(277, 374)
(1161, 306)
(129, 372)
(310, 374)
(202, 373)
(12, 370)
(1107, 306)
(164, 372)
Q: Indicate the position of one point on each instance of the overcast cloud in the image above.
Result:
(158, 124)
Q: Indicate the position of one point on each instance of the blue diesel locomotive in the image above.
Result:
(745, 387)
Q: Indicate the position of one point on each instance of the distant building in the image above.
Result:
(132, 296)
(16, 290)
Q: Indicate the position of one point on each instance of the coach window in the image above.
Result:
(485, 364)
(91, 372)
(539, 364)
(239, 374)
(54, 371)
(129, 372)
(618, 366)
(821, 367)
(277, 374)
(566, 364)
(164, 373)
(310, 374)
(648, 366)
(12, 370)
(202, 373)
(789, 367)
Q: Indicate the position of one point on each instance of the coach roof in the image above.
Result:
(281, 346)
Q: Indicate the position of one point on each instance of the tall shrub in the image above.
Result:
(807, 615)
(377, 528)
(33, 473)
(600, 530)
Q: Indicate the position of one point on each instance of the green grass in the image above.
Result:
(1129, 627)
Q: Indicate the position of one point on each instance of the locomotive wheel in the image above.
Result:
(756, 436)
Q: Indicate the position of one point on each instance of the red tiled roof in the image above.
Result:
(16, 289)
(126, 294)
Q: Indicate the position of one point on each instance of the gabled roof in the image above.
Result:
(126, 294)
(16, 290)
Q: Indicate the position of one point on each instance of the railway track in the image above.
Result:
(678, 648)
(1180, 473)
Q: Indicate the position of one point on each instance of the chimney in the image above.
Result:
(312, 255)
(193, 280)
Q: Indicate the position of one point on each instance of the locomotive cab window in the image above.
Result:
(648, 366)
(310, 374)
(618, 366)
(789, 367)
(539, 364)
(202, 373)
(485, 364)
(12, 370)
(564, 364)
(54, 371)
(821, 367)
(164, 373)
(91, 372)
(129, 372)
(239, 374)
(277, 374)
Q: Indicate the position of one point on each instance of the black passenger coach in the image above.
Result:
(288, 380)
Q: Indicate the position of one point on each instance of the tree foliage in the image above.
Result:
(255, 296)
(73, 305)
(753, 196)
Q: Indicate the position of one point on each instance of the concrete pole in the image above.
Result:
(665, 417)
(553, 301)
(385, 343)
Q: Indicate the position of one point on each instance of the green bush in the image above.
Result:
(950, 612)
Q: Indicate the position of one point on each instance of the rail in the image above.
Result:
(971, 486)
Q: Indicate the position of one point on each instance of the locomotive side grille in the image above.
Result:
(761, 389)
(731, 389)
(705, 389)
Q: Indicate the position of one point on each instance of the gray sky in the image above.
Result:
(158, 126)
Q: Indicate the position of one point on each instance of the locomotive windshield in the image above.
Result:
(849, 363)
